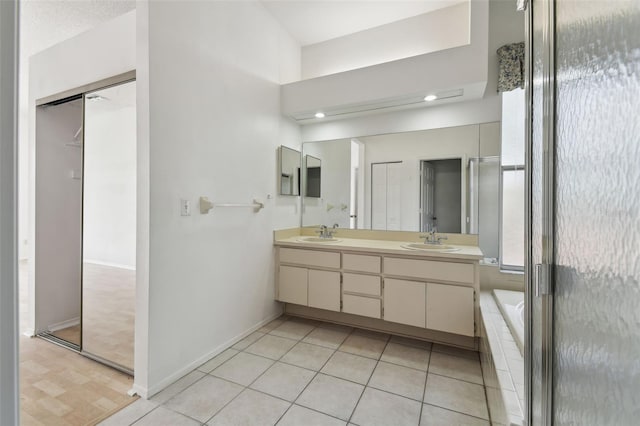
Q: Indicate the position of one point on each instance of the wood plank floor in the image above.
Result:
(61, 387)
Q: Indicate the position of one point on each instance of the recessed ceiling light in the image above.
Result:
(319, 114)
(430, 98)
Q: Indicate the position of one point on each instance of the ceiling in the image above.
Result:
(314, 21)
(44, 23)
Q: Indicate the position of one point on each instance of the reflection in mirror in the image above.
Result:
(289, 171)
(313, 176)
(444, 179)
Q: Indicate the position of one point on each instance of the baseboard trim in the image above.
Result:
(64, 324)
(149, 392)
(111, 264)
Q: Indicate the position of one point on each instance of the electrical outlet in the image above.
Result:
(185, 207)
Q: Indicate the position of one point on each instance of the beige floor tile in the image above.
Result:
(308, 356)
(49, 388)
(205, 398)
(243, 368)
(407, 341)
(271, 346)
(177, 387)
(452, 350)
(272, 325)
(457, 367)
(377, 408)
(293, 329)
(350, 367)
(61, 387)
(436, 416)
(332, 396)
(456, 395)
(244, 343)
(327, 337)
(130, 413)
(364, 346)
(164, 417)
(407, 356)
(251, 408)
(399, 380)
(284, 381)
(301, 416)
(218, 360)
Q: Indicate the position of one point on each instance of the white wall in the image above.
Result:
(335, 176)
(209, 124)
(437, 30)
(103, 52)
(9, 397)
(109, 232)
(42, 25)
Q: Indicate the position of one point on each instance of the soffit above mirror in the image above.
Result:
(397, 84)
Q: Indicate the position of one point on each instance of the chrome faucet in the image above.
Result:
(432, 237)
(325, 232)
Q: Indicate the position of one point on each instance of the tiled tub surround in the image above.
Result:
(300, 372)
(502, 365)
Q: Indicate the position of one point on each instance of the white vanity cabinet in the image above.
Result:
(404, 302)
(292, 285)
(361, 285)
(301, 284)
(388, 291)
(450, 308)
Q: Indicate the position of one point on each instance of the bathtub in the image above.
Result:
(511, 305)
(501, 335)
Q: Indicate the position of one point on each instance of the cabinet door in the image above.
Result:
(292, 285)
(358, 305)
(450, 308)
(404, 302)
(324, 290)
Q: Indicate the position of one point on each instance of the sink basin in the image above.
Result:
(430, 247)
(318, 240)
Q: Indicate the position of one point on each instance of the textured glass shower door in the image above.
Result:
(597, 213)
(583, 336)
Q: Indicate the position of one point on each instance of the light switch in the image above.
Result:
(185, 207)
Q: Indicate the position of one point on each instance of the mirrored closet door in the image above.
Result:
(109, 225)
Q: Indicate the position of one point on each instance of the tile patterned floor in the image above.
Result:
(300, 372)
(61, 387)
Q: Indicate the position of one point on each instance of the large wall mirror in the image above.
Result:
(439, 179)
(289, 171)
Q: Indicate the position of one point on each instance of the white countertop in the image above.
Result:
(381, 246)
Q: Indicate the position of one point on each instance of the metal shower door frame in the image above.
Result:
(539, 276)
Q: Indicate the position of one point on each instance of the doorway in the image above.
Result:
(85, 263)
(441, 195)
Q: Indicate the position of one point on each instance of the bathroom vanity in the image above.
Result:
(387, 285)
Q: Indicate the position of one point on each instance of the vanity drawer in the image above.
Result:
(358, 305)
(429, 269)
(362, 263)
(365, 284)
(323, 259)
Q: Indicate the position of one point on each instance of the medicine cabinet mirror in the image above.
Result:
(289, 171)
